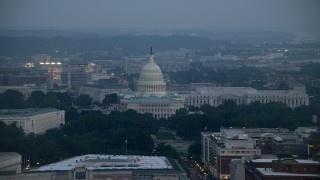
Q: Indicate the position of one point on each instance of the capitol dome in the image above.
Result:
(151, 81)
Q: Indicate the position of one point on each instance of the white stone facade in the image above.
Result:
(35, 121)
(151, 96)
(216, 96)
(160, 107)
(151, 81)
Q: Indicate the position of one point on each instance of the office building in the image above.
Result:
(131, 167)
(33, 120)
(293, 169)
(218, 149)
(216, 96)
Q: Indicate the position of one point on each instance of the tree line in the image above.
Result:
(94, 132)
(254, 115)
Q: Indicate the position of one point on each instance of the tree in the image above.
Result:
(72, 114)
(194, 151)
(52, 100)
(12, 99)
(65, 100)
(36, 99)
(166, 150)
(110, 99)
(84, 100)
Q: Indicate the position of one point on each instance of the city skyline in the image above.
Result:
(288, 15)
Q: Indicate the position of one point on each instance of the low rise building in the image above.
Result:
(20, 80)
(33, 120)
(218, 149)
(98, 92)
(96, 166)
(293, 169)
(289, 143)
(160, 107)
(305, 132)
(10, 163)
(216, 96)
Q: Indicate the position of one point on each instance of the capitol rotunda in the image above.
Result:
(151, 96)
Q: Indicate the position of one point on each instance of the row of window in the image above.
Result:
(290, 102)
(156, 110)
(156, 106)
(141, 88)
(238, 152)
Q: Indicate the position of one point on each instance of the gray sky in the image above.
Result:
(163, 14)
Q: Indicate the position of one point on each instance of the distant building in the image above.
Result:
(216, 96)
(151, 96)
(33, 120)
(160, 107)
(269, 141)
(305, 132)
(174, 64)
(218, 149)
(96, 166)
(75, 75)
(134, 66)
(73, 79)
(289, 144)
(293, 169)
(98, 92)
(219, 61)
(10, 163)
(237, 171)
(20, 80)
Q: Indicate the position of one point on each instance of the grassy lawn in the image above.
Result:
(165, 136)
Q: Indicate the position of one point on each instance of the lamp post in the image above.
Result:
(126, 147)
(59, 103)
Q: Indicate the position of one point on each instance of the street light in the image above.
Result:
(59, 103)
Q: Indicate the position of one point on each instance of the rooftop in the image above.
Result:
(108, 162)
(8, 155)
(241, 91)
(10, 113)
(269, 172)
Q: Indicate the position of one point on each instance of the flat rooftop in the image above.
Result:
(10, 113)
(301, 161)
(109, 162)
(8, 155)
(269, 172)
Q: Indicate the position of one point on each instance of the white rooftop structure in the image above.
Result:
(109, 162)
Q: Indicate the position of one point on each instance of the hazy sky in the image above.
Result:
(162, 14)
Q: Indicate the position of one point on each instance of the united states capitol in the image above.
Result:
(151, 95)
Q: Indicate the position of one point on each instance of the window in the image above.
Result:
(80, 175)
